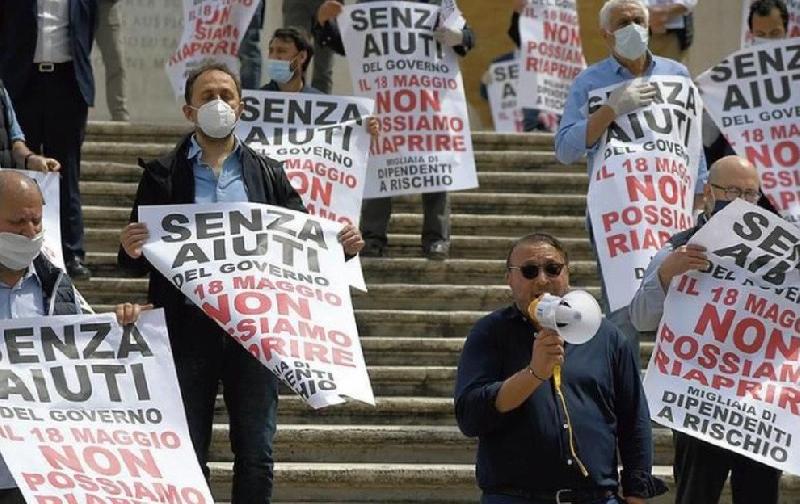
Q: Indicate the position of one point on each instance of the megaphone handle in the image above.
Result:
(557, 375)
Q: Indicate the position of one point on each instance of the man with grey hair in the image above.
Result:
(624, 24)
(701, 468)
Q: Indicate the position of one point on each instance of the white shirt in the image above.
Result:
(52, 38)
(24, 300)
(675, 22)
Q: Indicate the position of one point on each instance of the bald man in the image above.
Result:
(30, 285)
(701, 468)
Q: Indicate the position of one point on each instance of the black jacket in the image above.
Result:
(57, 289)
(170, 181)
(18, 33)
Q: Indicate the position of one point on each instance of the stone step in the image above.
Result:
(122, 194)
(110, 131)
(400, 245)
(116, 217)
(399, 296)
(543, 182)
(407, 483)
(388, 410)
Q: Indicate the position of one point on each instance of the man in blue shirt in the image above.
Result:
(534, 445)
(30, 285)
(14, 152)
(624, 24)
(213, 165)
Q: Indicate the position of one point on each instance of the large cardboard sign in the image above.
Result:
(273, 279)
(212, 30)
(503, 97)
(425, 143)
(643, 180)
(793, 30)
(91, 412)
(753, 95)
(324, 145)
(725, 367)
(552, 55)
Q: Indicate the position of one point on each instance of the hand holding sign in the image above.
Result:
(350, 238)
(683, 259)
(133, 238)
(328, 11)
(450, 37)
(41, 164)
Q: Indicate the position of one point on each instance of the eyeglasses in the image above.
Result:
(751, 195)
(531, 271)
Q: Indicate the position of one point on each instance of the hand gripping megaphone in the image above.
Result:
(575, 317)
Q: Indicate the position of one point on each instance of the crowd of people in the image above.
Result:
(532, 448)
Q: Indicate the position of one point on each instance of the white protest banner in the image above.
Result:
(727, 358)
(753, 95)
(551, 53)
(792, 30)
(324, 145)
(641, 190)
(51, 222)
(273, 279)
(90, 412)
(425, 143)
(212, 30)
(503, 100)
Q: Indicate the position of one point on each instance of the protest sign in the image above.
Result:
(324, 145)
(792, 30)
(551, 56)
(753, 95)
(641, 190)
(51, 223)
(726, 362)
(212, 30)
(273, 279)
(91, 412)
(503, 99)
(450, 16)
(425, 143)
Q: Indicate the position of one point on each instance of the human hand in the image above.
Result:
(133, 238)
(449, 36)
(373, 126)
(632, 96)
(42, 164)
(128, 313)
(659, 15)
(681, 260)
(548, 351)
(518, 5)
(350, 238)
(328, 11)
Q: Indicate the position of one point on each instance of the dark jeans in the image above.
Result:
(11, 496)
(250, 51)
(301, 13)
(52, 114)
(510, 499)
(205, 355)
(375, 215)
(701, 470)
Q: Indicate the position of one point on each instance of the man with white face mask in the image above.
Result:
(30, 285)
(207, 166)
(625, 30)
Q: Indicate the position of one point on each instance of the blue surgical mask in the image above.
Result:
(719, 205)
(280, 71)
(630, 41)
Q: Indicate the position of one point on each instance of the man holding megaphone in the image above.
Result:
(552, 392)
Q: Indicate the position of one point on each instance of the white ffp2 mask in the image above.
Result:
(17, 251)
(216, 118)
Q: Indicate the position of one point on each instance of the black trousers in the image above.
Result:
(702, 468)
(52, 114)
(375, 214)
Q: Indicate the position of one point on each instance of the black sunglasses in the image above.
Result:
(531, 271)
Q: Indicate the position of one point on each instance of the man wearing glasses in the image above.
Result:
(531, 449)
(701, 468)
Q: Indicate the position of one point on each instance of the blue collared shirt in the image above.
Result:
(228, 187)
(571, 136)
(14, 129)
(23, 299)
(527, 448)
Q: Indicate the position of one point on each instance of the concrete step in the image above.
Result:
(400, 245)
(399, 296)
(388, 410)
(541, 182)
(110, 131)
(122, 194)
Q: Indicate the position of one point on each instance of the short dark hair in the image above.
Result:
(204, 67)
(299, 37)
(534, 238)
(764, 8)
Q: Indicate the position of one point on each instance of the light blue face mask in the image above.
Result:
(280, 71)
(630, 42)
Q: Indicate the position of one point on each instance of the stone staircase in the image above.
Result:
(412, 323)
